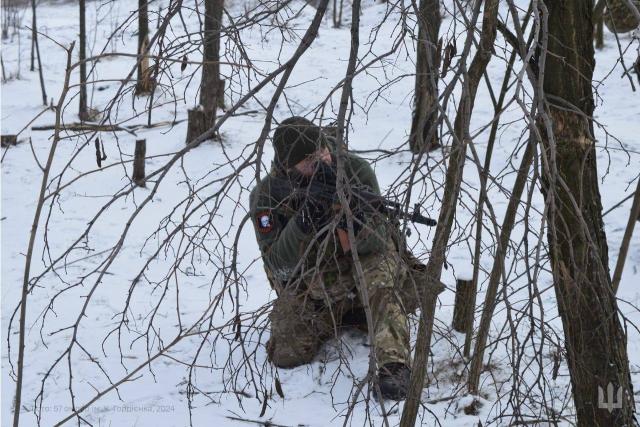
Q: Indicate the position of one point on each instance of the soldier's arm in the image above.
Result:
(281, 241)
(375, 238)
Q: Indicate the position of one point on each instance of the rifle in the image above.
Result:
(325, 190)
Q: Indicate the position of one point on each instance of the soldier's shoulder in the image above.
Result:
(263, 189)
(259, 188)
(358, 164)
(355, 159)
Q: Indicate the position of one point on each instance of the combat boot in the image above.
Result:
(393, 379)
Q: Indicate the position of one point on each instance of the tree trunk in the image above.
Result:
(139, 156)
(145, 82)
(453, 182)
(594, 339)
(33, 35)
(83, 111)
(626, 240)
(35, 47)
(203, 118)
(463, 306)
(424, 135)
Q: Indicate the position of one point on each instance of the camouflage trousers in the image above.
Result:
(302, 320)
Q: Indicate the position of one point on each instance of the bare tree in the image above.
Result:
(424, 132)
(144, 83)
(35, 51)
(83, 109)
(595, 341)
(204, 116)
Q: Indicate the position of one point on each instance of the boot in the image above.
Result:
(393, 379)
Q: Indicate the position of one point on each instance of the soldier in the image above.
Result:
(307, 257)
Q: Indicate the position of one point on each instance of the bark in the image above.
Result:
(424, 135)
(33, 35)
(145, 81)
(83, 111)
(204, 117)
(139, 156)
(35, 51)
(598, 23)
(464, 303)
(594, 339)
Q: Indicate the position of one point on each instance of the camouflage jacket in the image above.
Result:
(283, 244)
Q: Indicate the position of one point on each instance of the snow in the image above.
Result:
(315, 394)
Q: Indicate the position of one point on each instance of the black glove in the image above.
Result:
(314, 214)
(325, 174)
(358, 221)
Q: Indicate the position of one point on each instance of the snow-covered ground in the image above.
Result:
(223, 387)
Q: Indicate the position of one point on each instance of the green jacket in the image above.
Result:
(282, 242)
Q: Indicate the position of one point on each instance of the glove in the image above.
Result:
(325, 174)
(313, 214)
(358, 221)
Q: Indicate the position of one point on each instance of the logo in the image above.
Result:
(610, 404)
(264, 222)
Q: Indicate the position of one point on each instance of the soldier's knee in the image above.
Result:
(289, 353)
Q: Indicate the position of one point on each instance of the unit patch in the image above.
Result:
(264, 221)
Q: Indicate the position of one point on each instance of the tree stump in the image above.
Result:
(198, 123)
(138, 162)
(8, 140)
(463, 303)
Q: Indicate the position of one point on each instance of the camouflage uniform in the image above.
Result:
(618, 17)
(316, 282)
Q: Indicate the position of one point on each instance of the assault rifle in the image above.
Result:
(362, 198)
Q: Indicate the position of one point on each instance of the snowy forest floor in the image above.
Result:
(225, 387)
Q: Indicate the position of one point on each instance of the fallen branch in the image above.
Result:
(87, 127)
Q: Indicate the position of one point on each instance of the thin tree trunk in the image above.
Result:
(83, 112)
(204, 117)
(35, 46)
(139, 156)
(424, 135)
(628, 232)
(4, 74)
(33, 35)
(594, 339)
(598, 23)
(32, 239)
(144, 82)
(449, 203)
(496, 271)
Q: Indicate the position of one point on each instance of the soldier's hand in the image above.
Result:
(358, 221)
(314, 214)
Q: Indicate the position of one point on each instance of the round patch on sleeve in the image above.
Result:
(264, 221)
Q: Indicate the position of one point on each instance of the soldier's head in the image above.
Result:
(299, 144)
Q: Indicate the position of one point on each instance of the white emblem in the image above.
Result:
(264, 221)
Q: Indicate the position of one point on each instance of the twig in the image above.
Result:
(628, 232)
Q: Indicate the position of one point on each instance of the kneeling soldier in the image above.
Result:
(303, 240)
